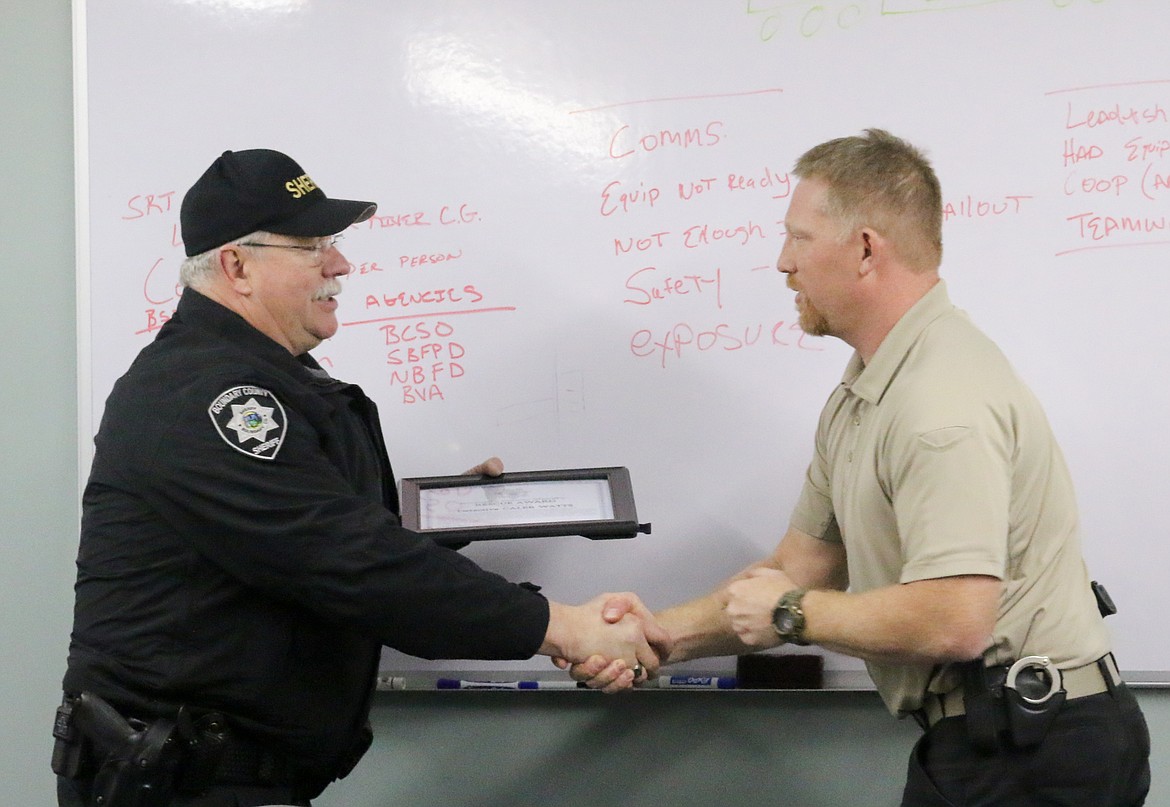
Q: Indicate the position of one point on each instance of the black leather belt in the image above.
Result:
(208, 749)
(248, 763)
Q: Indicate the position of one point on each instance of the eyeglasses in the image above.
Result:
(316, 249)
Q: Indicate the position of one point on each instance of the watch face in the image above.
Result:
(785, 622)
(788, 618)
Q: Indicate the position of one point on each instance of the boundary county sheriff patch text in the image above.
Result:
(242, 414)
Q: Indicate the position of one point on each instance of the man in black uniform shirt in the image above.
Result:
(241, 560)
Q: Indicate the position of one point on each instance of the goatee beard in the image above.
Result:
(811, 321)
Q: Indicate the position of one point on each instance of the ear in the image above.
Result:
(234, 270)
(871, 246)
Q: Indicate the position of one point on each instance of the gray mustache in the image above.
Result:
(331, 288)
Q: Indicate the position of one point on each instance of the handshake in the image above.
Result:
(614, 642)
(611, 642)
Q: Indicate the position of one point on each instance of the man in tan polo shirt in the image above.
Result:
(936, 536)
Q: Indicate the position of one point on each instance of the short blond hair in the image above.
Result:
(881, 181)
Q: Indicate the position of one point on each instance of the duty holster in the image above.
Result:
(1011, 706)
(135, 763)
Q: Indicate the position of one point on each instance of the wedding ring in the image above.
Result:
(638, 670)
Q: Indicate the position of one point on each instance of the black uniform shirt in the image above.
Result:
(241, 549)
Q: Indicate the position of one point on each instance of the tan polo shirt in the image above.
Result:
(936, 460)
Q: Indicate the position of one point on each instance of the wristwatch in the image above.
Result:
(788, 617)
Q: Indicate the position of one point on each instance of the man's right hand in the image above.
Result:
(611, 642)
(612, 674)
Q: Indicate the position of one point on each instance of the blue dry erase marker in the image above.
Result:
(456, 683)
(696, 682)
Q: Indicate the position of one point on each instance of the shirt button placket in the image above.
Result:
(856, 434)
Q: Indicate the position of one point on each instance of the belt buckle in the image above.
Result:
(1045, 665)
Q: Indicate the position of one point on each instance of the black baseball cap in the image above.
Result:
(260, 189)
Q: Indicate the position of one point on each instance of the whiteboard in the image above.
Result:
(581, 206)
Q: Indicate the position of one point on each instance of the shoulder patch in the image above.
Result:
(250, 420)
